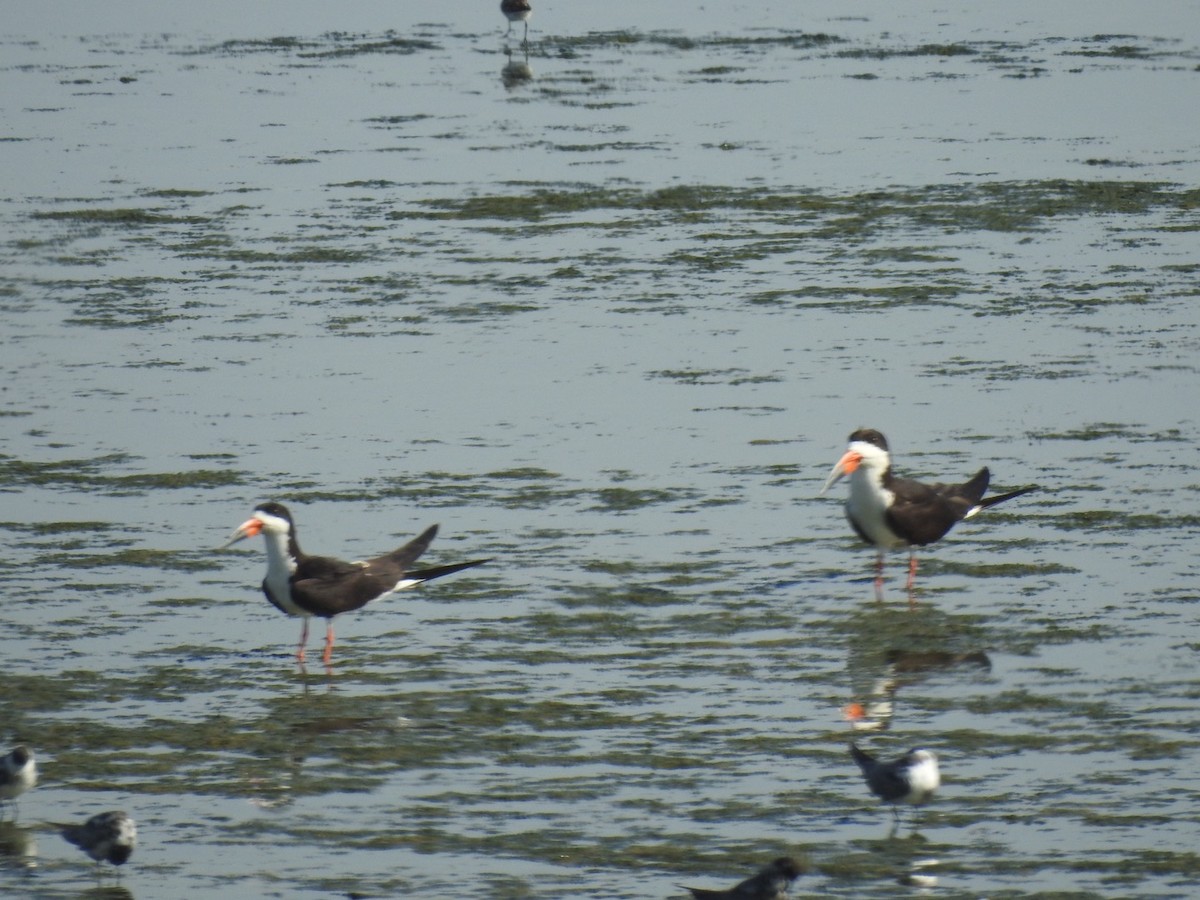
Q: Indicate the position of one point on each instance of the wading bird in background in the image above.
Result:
(307, 586)
(888, 511)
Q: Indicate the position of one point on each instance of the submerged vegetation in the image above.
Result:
(603, 352)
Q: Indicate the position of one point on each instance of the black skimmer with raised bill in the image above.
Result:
(105, 837)
(18, 774)
(888, 511)
(307, 586)
(770, 884)
(913, 778)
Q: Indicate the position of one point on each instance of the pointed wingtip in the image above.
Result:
(862, 757)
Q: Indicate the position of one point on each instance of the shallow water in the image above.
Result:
(606, 309)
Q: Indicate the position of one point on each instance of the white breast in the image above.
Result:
(924, 778)
(866, 506)
(280, 567)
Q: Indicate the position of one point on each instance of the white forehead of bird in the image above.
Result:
(872, 456)
(272, 524)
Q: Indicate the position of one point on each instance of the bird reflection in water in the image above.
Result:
(904, 667)
(516, 72)
(317, 726)
(18, 847)
(918, 876)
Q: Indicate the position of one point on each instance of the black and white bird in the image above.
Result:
(105, 837)
(913, 778)
(771, 883)
(889, 512)
(517, 11)
(321, 586)
(18, 774)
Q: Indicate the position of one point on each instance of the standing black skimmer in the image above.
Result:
(913, 778)
(109, 836)
(898, 512)
(517, 11)
(770, 884)
(18, 774)
(306, 586)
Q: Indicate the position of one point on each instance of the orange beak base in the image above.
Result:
(247, 529)
(847, 464)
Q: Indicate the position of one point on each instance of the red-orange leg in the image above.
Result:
(328, 655)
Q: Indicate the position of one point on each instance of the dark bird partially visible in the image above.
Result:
(887, 511)
(913, 778)
(306, 586)
(18, 774)
(517, 11)
(771, 883)
(105, 837)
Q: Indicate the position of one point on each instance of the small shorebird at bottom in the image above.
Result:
(913, 778)
(771, 883)
(105, 837)
(18, 774)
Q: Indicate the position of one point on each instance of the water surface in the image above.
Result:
(605, 307)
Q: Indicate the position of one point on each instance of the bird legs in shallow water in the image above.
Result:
(525, 38)
(303, 642)
(328, 654)
(912, 577)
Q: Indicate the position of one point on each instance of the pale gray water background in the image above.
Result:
(608, 319)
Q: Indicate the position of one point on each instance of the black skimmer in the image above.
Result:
(888, 512)
(517, 11)
(109, 836)
(18, 774)
(913, 778)
(771, 883)
(306, 586)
